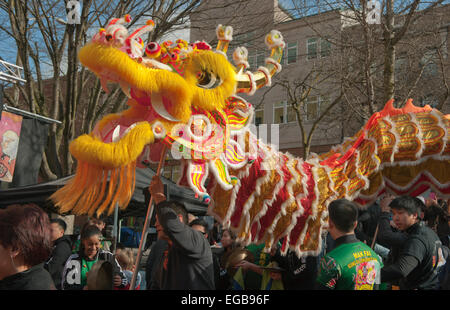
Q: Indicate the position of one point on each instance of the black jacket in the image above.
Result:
(189, 262)
(300, 273)
(35, 278)
(417, 263)
(71, 276)
(62, 249)
(153, 261)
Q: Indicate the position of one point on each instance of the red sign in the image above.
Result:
(10, 126)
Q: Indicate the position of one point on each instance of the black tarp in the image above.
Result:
(33, 138)
(39, 194)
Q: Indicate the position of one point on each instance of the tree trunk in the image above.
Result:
(389, 53)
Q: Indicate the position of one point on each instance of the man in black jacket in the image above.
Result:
(417, 263)
(188, 262)
(62, 249)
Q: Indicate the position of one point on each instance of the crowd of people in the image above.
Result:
(397, 243)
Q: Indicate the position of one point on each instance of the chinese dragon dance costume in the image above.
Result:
(183, 96)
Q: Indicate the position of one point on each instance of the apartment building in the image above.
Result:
(316, 62)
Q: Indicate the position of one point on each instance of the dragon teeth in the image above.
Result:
(125, 89)
(104, 83)
(158, 106)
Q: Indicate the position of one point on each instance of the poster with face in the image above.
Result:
(10, 126)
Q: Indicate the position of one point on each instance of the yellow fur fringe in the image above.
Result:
(90, 191)
(91, 150)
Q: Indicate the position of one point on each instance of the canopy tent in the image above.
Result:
(39, 194)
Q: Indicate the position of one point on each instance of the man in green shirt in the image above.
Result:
(351, 265)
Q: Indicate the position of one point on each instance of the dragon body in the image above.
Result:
(183, 97)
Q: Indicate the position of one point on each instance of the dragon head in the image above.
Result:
(182, 94)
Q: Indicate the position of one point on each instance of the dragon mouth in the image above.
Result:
(151, 86)
(156, 104)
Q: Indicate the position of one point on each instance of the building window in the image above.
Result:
(311, 107)
(278, 113)
(291, 53)
(260, 57)
(429, 62)
(243, 39)
(291, 115)
(316, 106)
(283, 113)
(318, 47)
(259, 117)
(324, 102)
(325, 48)
(252, 59)
(312, 48)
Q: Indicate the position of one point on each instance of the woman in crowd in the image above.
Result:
(25, 245)
(228, 242)
(79, 264)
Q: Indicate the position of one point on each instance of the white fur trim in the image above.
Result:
(227, 33)
(277, 39)
(277, 65)
(252, 82)
(160, 135)
(221, 53)
(266, 72)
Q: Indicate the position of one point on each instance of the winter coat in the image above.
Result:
(62, 249)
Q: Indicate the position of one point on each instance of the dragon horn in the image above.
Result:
(120, 21)
(224, 36)
(149, 25)
(248, 82)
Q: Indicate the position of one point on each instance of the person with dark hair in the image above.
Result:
(438, 220)
(188, 262)
(100, 223)
(201, 226)
(417, 264)
(62, 249)
(77, 267)
(25, 244)
(351, 265)
(228, 241)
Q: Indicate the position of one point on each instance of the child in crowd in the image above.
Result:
(125, 258)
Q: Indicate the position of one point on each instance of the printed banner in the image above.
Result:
(10, 126)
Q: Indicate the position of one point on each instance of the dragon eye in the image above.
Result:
(207, 80)
(152, 48)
